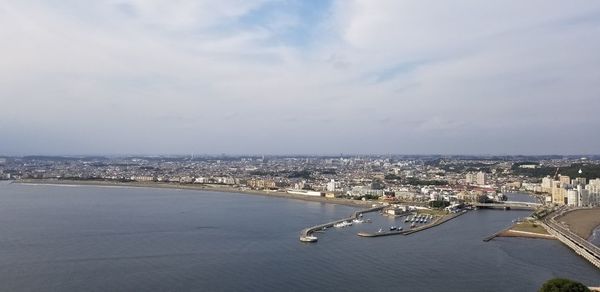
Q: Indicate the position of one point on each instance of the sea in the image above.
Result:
(93, 238)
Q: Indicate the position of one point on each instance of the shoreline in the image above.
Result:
(157, 185)
(582, 222)
(525, 234)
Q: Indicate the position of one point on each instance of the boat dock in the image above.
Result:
(308, 231)
(436, 223)
(368, 234)
(414, 230)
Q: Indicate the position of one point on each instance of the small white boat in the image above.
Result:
(358, 221)
(340, 225)
(308, 238)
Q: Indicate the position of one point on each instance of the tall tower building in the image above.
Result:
(482, 178)
(471, 178)
(331, 186)
(564, 179)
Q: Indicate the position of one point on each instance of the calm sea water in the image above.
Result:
(57, 238)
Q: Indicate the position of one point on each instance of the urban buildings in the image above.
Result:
(375, 177)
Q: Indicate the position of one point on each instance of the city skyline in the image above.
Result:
(285, 77)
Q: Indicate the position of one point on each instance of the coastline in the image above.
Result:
(212, 188)
(582, 222)
(518, 233)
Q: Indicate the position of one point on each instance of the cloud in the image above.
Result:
(216, 77)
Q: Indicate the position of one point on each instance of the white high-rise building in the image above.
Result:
(593, 195)
(471, 178)
(573, 198)
(546, 184)
(332, 186)
(482, 178)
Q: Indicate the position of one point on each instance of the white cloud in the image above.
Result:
(125, 70)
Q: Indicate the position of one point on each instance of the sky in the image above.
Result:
(299, 77)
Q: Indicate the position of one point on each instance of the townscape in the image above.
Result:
(444, 180)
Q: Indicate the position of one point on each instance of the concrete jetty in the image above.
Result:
(414, 230)
(440, 221)
(387, 233)
(492, 236)
(308, 231)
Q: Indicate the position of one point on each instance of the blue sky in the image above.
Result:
(302, 20)
(261, 76)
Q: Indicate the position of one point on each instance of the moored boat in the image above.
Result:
(308, 238)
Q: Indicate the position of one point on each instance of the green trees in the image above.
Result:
(439, 204)
(563, 285)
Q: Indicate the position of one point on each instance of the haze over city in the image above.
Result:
(273, 77)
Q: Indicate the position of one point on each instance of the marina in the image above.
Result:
(306, 234)
(418, 222)
(414, 228)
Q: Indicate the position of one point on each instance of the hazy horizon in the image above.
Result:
(289, 76)
(195, 155)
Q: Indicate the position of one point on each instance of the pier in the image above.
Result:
(490, 237)
(414, 230)
(377, 234)
(308, 231)
(440, 221)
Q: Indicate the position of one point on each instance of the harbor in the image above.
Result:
(306, 234)
(437, 222)
(418, 222)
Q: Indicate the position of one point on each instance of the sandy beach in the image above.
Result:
(209, 188)
(582, 222)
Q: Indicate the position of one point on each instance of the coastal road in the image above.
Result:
(583, 247)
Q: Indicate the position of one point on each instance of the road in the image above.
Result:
(580, 245)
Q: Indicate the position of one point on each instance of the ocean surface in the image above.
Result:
(84, 238)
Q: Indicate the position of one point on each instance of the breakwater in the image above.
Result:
(494, 235)
(308, 231)
(414, 230)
